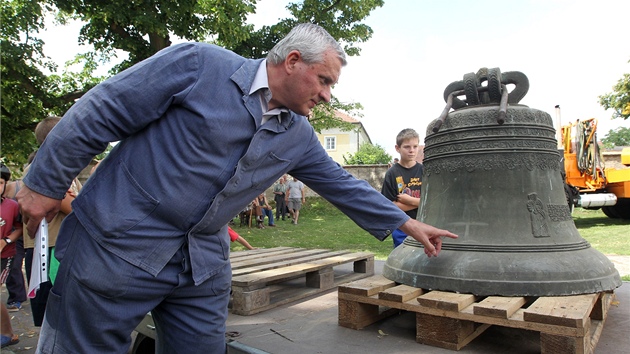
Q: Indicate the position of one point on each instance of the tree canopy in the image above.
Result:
(619, 102)
(33, 86)
(368, 154)
(617, 137)
(619, 99)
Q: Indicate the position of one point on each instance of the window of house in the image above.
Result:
(330, 142)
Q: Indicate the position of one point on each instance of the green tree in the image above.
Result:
(619, 99)
(26, 90)
(368, 154)
(32, 86)
(617, 137)
(140, 29)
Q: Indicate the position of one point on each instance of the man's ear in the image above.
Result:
(292, 59)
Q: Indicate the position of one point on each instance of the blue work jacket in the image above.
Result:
(192, 154)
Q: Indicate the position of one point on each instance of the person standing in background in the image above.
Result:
(10, 232)
(39, 302)
(295, 198)
(16, 286)
(279, 191)
(404, 179)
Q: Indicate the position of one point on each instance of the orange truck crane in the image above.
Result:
(598, 186)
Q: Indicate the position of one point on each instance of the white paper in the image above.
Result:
(39, 267)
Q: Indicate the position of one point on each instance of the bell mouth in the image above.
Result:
(503, 273)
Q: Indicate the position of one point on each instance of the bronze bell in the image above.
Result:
(492, 175)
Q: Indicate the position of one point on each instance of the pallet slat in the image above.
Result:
(274, 257)
(367, 287)
(258, 252)
(273, 264)
(400, 293)
(500, 307)
(570, 311)
(446, 301)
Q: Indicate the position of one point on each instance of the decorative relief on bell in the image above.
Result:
(538, 216)
(527, 161)
(559, 212)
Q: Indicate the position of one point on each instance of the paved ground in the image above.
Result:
(622, 263)
(310, 326)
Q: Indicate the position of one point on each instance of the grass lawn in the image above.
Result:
(321, 225)
(609, 236)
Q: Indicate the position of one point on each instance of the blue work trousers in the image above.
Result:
(98, 299)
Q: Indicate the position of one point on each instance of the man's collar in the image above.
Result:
(261, 82)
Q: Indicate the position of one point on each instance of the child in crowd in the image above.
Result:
(15, 283)
(38, 303)
(234, 236)
(403, 180)
(10, 232)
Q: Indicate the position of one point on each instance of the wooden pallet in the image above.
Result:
(567, 324)
(266, 278)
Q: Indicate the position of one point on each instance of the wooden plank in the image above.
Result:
(368, 286)
(282, 255)
(364, 266)
(321, 279)
(446, 301)
(258, 252)
(570, 311)
(356, 315)
(552, 344)
(446, 332)
(400, 293)
(244, 301)
(600, 310)
(478, 331)
(501, 307)
(297, 269)
(596, 331)
(271, 253)
(263, 265)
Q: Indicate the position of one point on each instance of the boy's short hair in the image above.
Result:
(406, 134)
(44, 127)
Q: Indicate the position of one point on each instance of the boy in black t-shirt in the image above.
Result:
(403, 180)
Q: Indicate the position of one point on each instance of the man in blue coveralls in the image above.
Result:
(202, 132)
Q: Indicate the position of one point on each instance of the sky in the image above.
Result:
(572, 51)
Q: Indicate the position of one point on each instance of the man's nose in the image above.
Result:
(325, 94)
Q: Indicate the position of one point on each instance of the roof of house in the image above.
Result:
(349, 119)
(346, 118)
